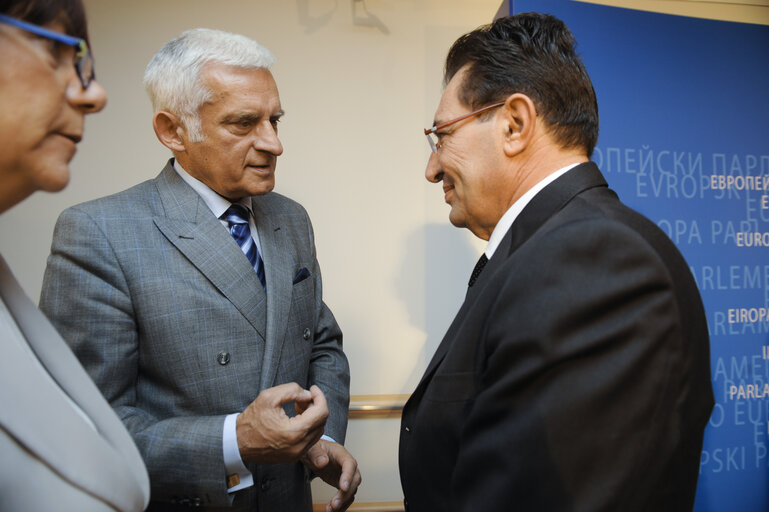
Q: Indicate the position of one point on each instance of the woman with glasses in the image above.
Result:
(61, 445)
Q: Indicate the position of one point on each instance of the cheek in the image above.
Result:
(25, 119)
(459, 171)
(31, 148)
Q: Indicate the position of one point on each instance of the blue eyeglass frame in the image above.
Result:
(83, 57)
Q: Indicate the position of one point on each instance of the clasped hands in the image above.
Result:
(266, 435)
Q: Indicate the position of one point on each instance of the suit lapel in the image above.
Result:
(50, 427)
(191, 227)
(278, 274)
(551, 199)
(543, 206)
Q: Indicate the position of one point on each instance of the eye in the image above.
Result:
(51, 47)
(240, 126)
(60, 53)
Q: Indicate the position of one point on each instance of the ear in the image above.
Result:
(169, 131)
(519, 123)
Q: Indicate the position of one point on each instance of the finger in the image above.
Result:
(301, 405)
(348, 485)
(308, 436)
(349, 469)
(289, 392)
(316, 413)
(316, 456)
(340, 501)
(314, 436)
(357, 479)
(317, 396)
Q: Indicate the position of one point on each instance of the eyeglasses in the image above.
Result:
(83, 58)
(431, 133)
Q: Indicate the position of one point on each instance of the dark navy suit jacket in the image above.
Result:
(575, 376)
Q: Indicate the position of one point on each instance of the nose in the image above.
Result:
(267, 139)
(88, 101)
(433, 171)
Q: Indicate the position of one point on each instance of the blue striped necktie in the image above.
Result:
(237, 221)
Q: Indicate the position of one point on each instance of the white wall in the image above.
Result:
(359, 79)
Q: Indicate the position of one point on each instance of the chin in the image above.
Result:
(262, 188)
(265, 191)
(54, 178)
(457, 219)
(58, 187)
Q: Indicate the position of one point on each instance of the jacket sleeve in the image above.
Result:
(329, 368)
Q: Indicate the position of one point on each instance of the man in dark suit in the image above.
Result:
(576, 374)
(194, 300)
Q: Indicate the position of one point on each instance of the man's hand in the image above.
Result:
(334, 464)
(267, 435)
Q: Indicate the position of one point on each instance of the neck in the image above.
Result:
(535, 165)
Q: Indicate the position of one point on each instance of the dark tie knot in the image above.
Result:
(236, 214)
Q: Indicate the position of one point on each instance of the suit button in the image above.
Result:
(407, 429)
(306, 334)
(223, 358)
(265, 484)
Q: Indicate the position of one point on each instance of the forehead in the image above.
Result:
(251, 89)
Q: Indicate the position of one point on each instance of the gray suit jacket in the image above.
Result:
(52, 459)
(170, 320)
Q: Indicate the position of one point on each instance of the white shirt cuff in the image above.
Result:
(238, 475)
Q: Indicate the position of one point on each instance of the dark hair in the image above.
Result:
(70, 13)
(533, 54)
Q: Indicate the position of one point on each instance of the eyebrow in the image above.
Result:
(249, 116)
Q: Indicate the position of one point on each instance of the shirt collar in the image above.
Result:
(512, 213)
(216, 203)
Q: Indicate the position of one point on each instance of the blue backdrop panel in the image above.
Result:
(684, 108)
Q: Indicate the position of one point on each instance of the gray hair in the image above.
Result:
(172, 78)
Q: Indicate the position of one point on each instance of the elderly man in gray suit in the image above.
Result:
(194, 300)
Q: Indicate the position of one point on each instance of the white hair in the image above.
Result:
(172, 78)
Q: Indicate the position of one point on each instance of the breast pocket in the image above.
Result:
(303, 305)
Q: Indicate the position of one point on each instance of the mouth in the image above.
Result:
(261, 168)
(74, 137)
(447, 191)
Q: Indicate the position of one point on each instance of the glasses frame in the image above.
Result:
(430, 132)
(83, 58)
